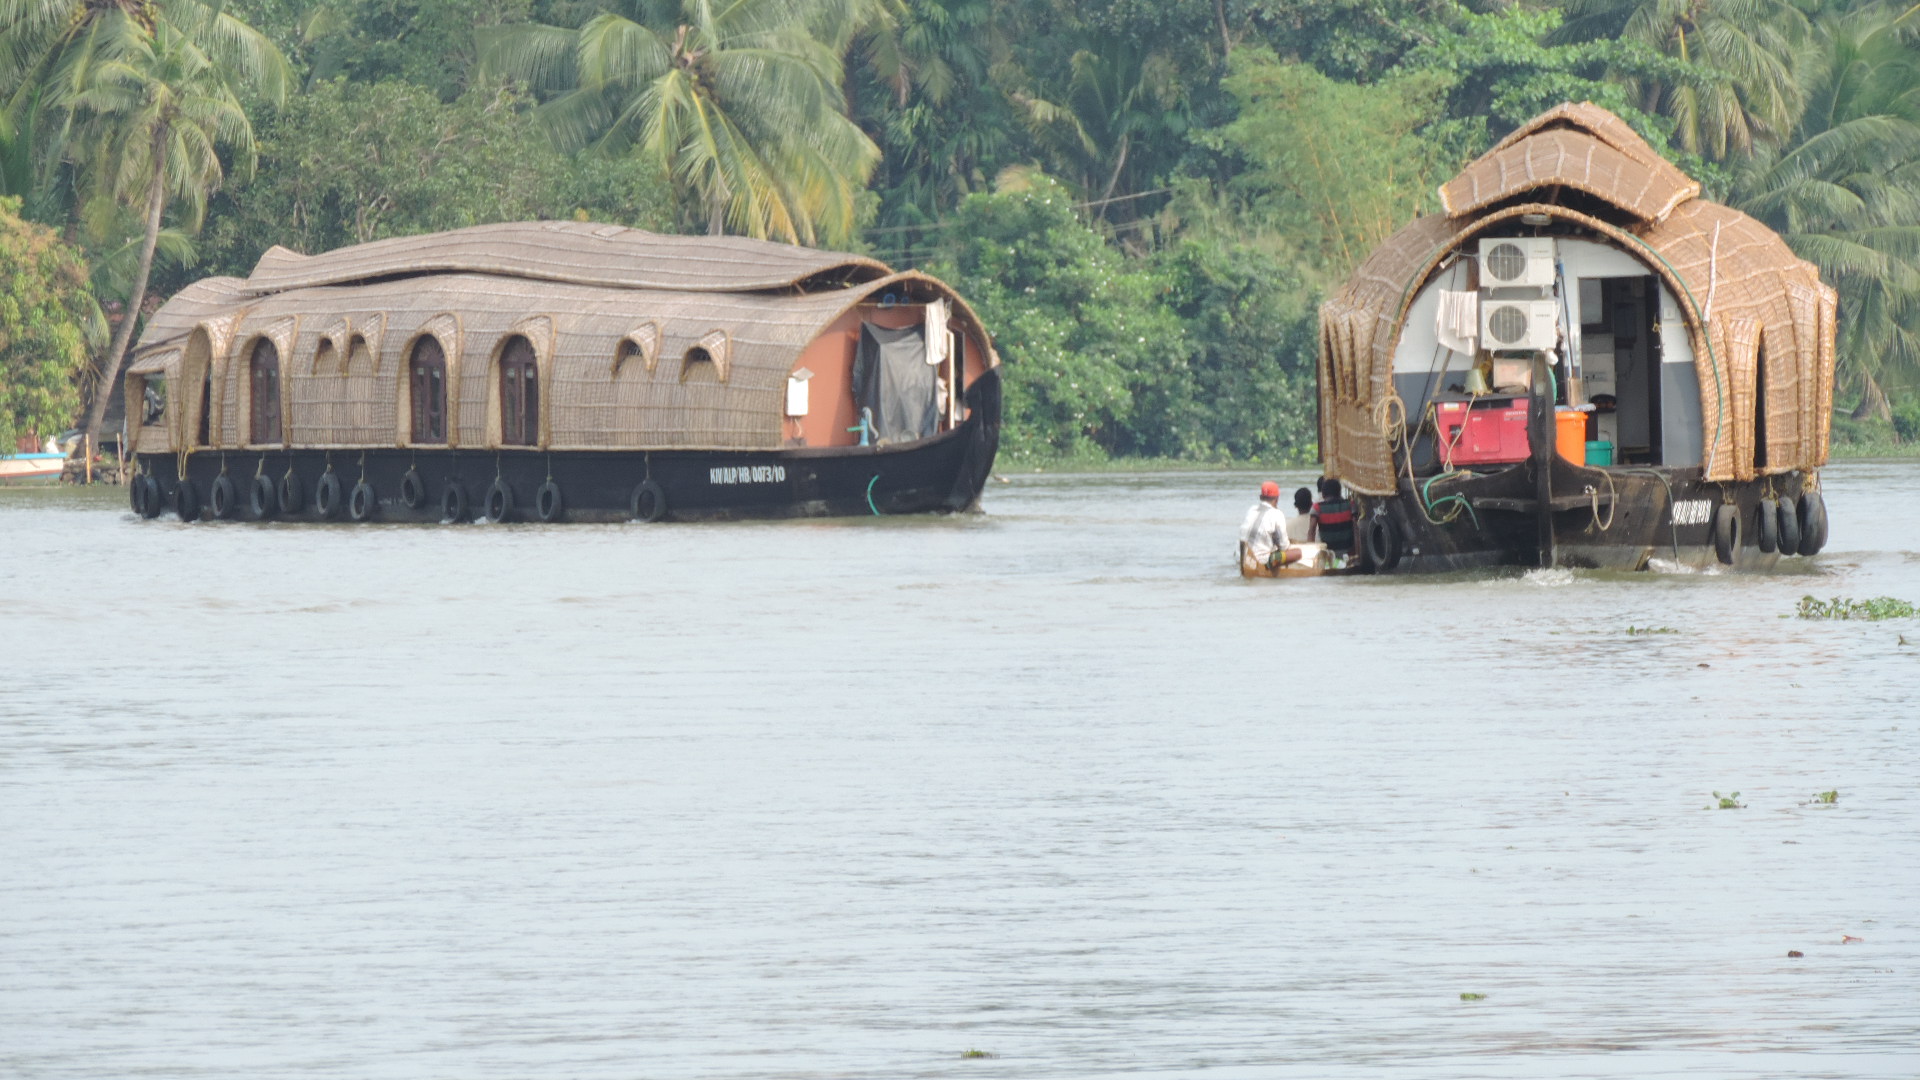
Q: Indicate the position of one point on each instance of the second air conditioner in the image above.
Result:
(1518, 324)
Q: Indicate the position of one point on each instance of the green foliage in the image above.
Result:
(1092, 350)
(1469, 995)
(1872, 610)
(1826, 798)
(740, 105)
(1727, 802)
(1251, 322)
(1336, 166)
(47, 321)
(416, 165)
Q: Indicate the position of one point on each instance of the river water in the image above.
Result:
(853, 798)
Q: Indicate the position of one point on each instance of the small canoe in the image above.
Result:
(31, 468)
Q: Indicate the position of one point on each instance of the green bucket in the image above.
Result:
(1600, 453)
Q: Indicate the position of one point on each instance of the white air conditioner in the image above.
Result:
(1518, 324)
(1516, 262)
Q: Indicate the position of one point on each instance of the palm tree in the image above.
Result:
(1844, 190)
(48, 49)
(156, 111)
(1744, 53)
(739, 104)
(1119, 96)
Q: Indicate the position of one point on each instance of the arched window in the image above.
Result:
(265, 370)
(205, 437)
(698, 367)
(428, 389)
(519, 394)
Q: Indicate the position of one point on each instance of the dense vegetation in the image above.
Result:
(1146, 198)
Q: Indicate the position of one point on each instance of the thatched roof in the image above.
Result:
(580, 253)
(1749, 299)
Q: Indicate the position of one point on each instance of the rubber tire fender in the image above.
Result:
(261, 501)
(499, 504)
(1726, 533)
(453, 505)
(1813, 523)
(293, 496)
(186, 501)
(1767, 526)
(649, 502)
(1789, 527)
(1384, 543)
(361, 504)
(326, 495)
(413, 490)
(548, 503)
(137, 496)
(222, 499)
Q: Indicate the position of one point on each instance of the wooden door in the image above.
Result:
(265, 370)
(519, 394)
(429, 392)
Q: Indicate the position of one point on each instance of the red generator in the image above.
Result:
(1496, 431)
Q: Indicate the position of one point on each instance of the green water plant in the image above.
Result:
(1651, 630)
(1826, 798)
(976, 1054)
(1840, 607)
(1469, 996)
(1727, 802)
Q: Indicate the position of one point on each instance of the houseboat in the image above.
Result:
(561, 371)
(1579, 362)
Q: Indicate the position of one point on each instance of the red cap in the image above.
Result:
(1269, 490)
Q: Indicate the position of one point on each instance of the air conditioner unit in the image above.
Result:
(1518, 324)
(1516, 262)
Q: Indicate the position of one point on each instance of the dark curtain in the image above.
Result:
(891, 376)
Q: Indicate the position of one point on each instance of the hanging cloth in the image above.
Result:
(1457, 320)
(939, 343)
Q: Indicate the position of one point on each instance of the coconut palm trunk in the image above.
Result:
(115, 356)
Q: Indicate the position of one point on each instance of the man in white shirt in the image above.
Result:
(1263, 535)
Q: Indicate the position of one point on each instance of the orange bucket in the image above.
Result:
(1570, 435)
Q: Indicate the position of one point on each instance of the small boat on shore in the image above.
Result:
(1579, 362)
(562, 371)
(35, 468)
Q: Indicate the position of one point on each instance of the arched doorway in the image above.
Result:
(264, 369)
(519, 393)
(427, 371)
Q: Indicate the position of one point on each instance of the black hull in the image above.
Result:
(1550, 512)
(942, 474)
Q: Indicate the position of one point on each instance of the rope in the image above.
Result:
(870, 483)
(1613, 503)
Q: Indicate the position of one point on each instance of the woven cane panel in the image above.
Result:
(198, 302)
(1571, 158)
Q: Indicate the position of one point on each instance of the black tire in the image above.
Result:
(548, 504)
(499, 504)
(186, 501)
(326, 496)
(223, 500)
(413, 490)
(137, 496)
(1789, 527)
(649, 503)
(453, 505)
(361, 503)
(155, 503)
(261, 500)
(293, 495)
(1383, 543)
(1726, 533)
(1766, 521)
(1813, 523)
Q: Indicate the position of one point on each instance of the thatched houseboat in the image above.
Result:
(1579, 362)
(562, 371)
